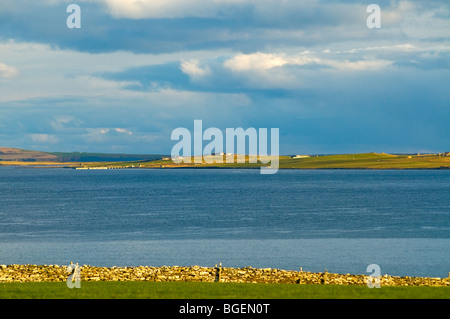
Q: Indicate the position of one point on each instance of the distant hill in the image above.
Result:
(104, 157)
(15, 154)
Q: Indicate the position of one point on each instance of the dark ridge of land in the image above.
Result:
(20, 155)
(15, 154)
(104, 157)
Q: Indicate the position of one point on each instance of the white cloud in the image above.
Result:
(298, 70)
(265, 61)
(194, 70)
(48, 72)
(124, 131)
(140, 9)
(7, 71)
(95, 135)
(92, 84)
(258, 61)
(103, 131)
(69, 76)
(44, 138)
(361, 65)
(60, 123)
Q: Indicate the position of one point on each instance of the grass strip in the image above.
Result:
(209, 290)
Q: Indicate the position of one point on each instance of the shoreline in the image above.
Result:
(359, 161)
(218, 167)
(56, 273)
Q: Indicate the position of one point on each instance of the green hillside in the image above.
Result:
(367, 160)
(20, 155)
(102, 157)
(12, 156)
(342, 161)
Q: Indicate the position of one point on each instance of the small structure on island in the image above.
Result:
(221, 154)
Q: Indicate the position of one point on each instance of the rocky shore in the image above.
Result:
(55, 273)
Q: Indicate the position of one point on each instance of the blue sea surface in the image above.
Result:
(339, 220)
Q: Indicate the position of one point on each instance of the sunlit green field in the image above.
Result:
(368, 160)
(208, 290)
(355, 161)
(349, 161)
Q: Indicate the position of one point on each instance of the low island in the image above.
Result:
(16, 157)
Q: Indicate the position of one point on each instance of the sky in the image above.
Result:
(138, 69)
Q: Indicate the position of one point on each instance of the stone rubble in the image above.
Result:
(56, 273)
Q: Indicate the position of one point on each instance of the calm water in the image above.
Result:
(342, 220)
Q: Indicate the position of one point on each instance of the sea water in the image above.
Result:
(339, 220)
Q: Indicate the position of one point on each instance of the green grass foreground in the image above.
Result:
(207, 290)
